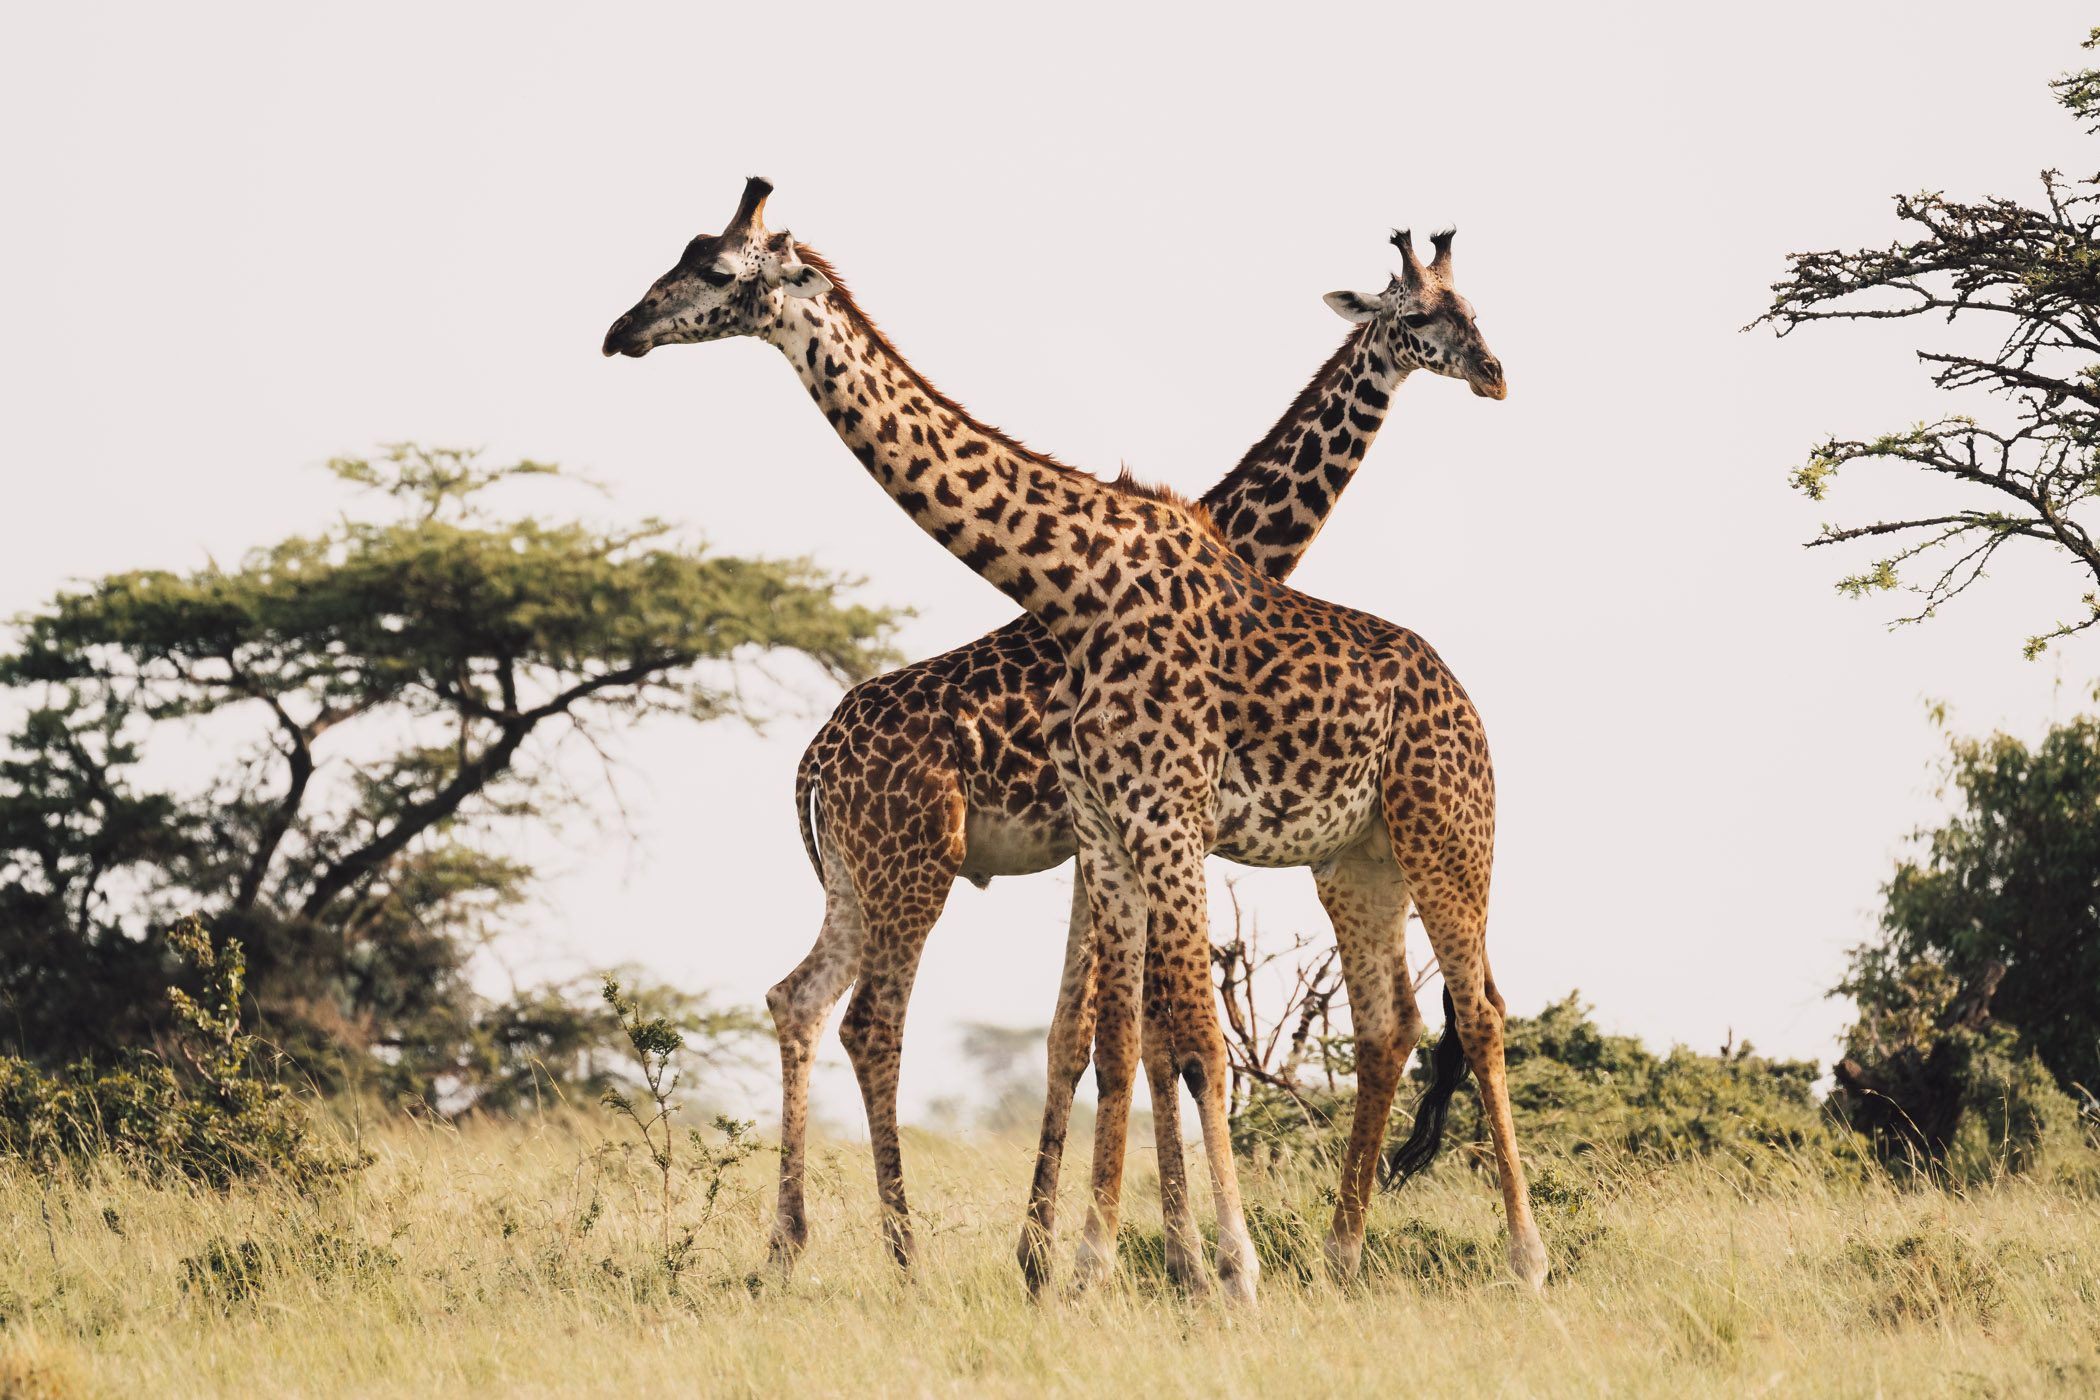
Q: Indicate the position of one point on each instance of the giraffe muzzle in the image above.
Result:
(621, 339)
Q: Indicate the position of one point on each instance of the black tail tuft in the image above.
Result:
(1447, 1070)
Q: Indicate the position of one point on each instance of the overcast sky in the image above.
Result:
(241, 240)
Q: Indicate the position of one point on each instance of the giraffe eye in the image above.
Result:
(1417, 320)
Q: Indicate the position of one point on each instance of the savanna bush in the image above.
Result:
(2016, 1119)
(216, 1118)
(1583, 1096)
(1580, 1092)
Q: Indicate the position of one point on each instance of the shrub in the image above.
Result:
(2016, 1119)
(218, 1121)
(1579, 1092)
(657, 1043)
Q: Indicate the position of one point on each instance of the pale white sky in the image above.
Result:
(239, 240)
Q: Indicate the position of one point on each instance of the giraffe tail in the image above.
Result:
(1447, 1070)
(806, 808)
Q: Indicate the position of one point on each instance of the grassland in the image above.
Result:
(520, 1259)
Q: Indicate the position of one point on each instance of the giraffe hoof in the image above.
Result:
(1034, 1257)
(1345, 1259)
(783, 1248)
(1237, 1268)
(1190, 1277)
(1091, 1267)
(1237, 1289)
(1527, 1260)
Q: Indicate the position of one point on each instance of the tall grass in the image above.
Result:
(526, 1259)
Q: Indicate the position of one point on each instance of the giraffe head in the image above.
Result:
(1424, 319)
(731, 283)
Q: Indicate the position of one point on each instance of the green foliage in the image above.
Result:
(367, 693)
(1290, 1239)
(222, 1121)
(70, 819)
(2079, 91)
(1960, 1097)
(657, 1042)
(1278, 1124)
(1579, 1092)
(1583, 1095)
(2031, 476)
(562, 1039)
(2018, 1120)
(2012, 879)
(1978, 1043)
(1437, 1257)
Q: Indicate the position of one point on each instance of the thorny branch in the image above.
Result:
(1274, 1049)
(2034, 273)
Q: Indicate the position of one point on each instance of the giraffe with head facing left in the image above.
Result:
(1204, 706)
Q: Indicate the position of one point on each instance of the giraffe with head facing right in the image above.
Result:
(1204, 706)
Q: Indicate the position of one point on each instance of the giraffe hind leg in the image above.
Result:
(1439, 807)
(1366, 901)
(1444, 849)
(801, 1003)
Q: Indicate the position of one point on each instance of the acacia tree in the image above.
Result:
(2031, 273)
(376, 699)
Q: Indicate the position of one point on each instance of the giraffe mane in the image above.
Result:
(1197, 512)
(842, 297)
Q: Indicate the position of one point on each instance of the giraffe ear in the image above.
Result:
(1352, 306)
(802, 280)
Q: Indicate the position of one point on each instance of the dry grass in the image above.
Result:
(476, 1262)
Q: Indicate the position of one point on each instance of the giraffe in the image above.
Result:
(1204, 706)
(938, 769)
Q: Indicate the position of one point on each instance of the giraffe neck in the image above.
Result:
(1027, 524)
(1271, 506)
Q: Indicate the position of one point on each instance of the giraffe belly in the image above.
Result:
(1307, 818)
(1000, 843)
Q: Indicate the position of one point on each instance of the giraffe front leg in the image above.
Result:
(1451, 890)
(1071, 1040)
(1186, 1266)
(1180, 925)
(1119, 925)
